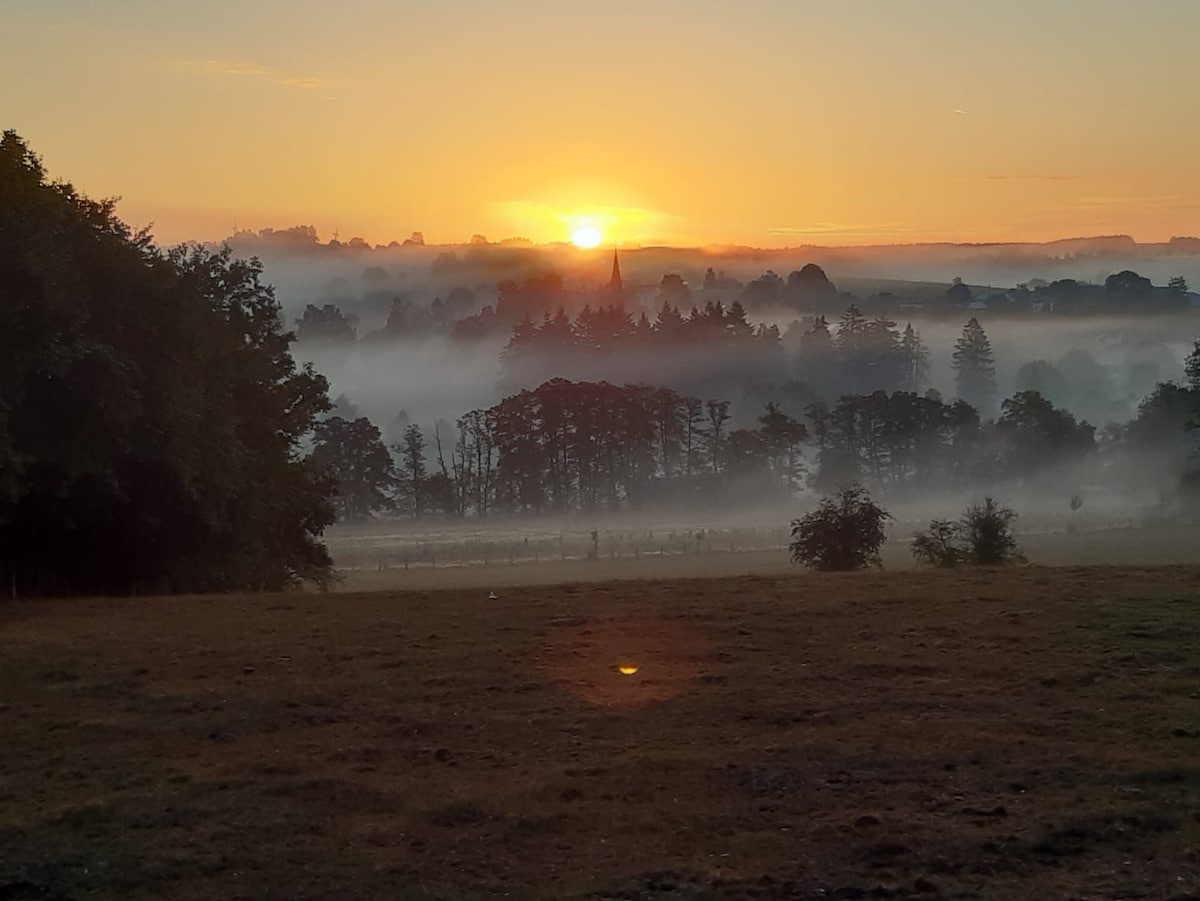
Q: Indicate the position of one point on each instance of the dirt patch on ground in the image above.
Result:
(996, 735)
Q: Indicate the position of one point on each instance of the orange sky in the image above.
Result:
(770, 123)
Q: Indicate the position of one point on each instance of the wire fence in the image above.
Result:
(381, 550)
(385, 552)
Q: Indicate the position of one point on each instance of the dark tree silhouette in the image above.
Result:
(413, 474)
(718, 416)
(809, 289)
(845, 532)
(958, 294)
(325, 325)
(1037, 436)
(763, 292)
(353, 454)
(150, 414)
(1127, 286)
(1192, 367)
(913, 362)
(974, 367)
(782, 439)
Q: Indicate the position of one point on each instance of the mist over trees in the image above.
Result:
(151, 415)
(156, 433)
(812, 341)
(568, 447)
(854, 390)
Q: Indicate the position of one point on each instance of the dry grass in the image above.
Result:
(1147, 546)
(995, 735)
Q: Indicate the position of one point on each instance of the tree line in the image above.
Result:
(585, 446)
(562, 447)
(804, 293)
(858, 355)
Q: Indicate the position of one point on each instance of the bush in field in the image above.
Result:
(845, 532)
(940, 545)
(987, 534)
(983, 536)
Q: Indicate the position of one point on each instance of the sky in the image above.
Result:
(768, 123)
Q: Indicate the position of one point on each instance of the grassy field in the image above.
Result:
(462, 559)
(992, 735)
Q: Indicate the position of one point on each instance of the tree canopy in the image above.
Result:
(151, 415)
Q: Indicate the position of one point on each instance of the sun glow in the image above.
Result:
(586, 236)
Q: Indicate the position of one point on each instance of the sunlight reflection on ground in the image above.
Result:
(626, 662)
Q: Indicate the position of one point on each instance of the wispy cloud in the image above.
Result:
(238, 69)
(1031, 177)
(835, 229)
(1156, 202)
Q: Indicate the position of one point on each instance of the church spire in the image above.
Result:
(615, 283)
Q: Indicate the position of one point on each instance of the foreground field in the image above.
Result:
(993, 735)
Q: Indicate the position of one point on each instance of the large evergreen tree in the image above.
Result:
(412, 468)
(914, 357)
(150, 412)
(974, 367)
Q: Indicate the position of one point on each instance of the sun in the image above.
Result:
(586, 236)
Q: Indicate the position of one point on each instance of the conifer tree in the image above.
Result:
(915, 359)
(974, 367)
(851, 329)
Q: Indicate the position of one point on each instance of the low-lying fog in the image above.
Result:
(1098, 367)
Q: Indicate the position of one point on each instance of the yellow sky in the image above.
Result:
(770, 123)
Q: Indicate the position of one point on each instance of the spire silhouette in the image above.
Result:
(615, 283)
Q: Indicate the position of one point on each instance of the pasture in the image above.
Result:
(388, 556)
(977, 734)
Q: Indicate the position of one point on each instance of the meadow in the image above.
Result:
(984, 734)
(417, 555)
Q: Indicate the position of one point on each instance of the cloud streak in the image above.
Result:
(818, 229)
(239, 69)
(1032, 177)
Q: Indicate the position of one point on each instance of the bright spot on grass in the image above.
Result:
(627, 670)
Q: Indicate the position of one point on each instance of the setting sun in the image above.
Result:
(586, 236)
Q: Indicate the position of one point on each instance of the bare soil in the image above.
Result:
(1032, 733)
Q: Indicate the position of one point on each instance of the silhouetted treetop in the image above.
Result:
(150, 413)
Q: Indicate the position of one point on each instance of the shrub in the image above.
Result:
(845, 532)
(940, 545)
(983, 536)
(987, 534)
